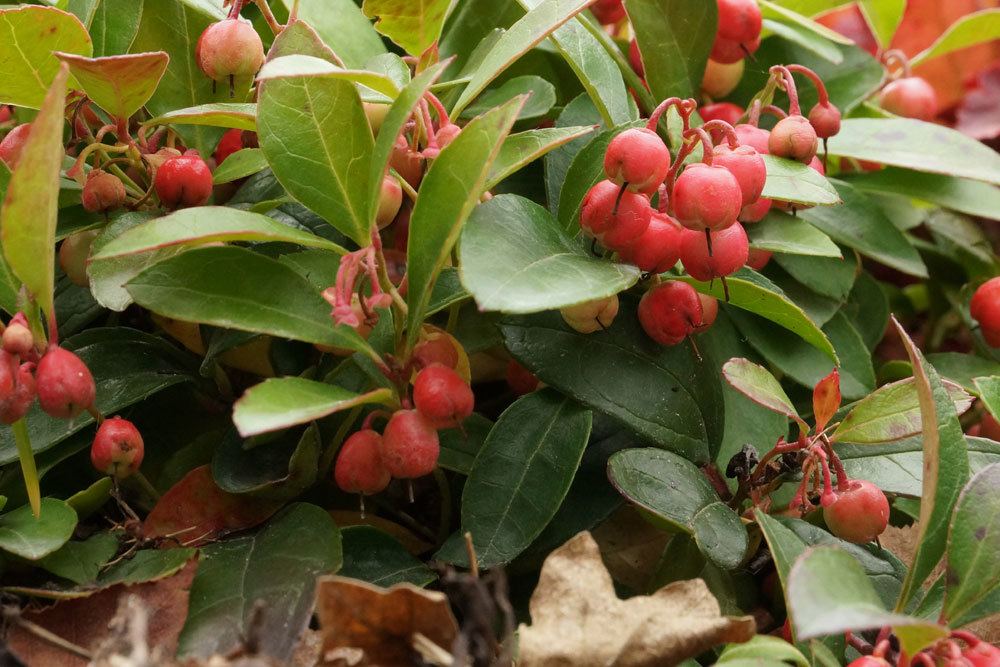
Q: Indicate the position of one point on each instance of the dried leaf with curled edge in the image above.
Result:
(578, 620)
(367, 625)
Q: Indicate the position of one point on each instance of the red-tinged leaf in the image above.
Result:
(31, 205)
(118, 84)
(826, 399)
(196, 511)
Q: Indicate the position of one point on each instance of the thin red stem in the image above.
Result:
(786, 82)
(824, 97)
(728, 131)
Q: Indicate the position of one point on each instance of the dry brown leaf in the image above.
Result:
(578, 620)
(361, 624)
(631, 547)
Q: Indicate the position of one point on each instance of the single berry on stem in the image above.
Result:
(985, 309)
(183, 182)
(591, 316)
(117, 449)
(859, 514)
(18, 388)
(706, 196)
(910, 97)
(608, 12)
(231, 142)
(17, 338)
(229, 49)
(639, 158)
(793, 138)
(359, 467)
(390, 201)
(743, 162)
(730, 250)
(727, 111)
(757, 258)
(410, 445)
(670, 312)
(65, 385)
(442, 396)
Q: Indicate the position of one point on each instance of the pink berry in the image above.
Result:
(727, 111)
(439, 348)
(410, 445)
(229, 48)
(859, 514)
(615, 217)
(183, 181)
(910, 97)
(739, 20)
(359, 467)
(670, 312)
(17, 388)
(825, 119)
(17, 338)
(608, 12)
(442, 396)
(755, 212)
(102, 192)
(751, 135)
(757, 259)
(390, 201)
(727, 51)
(118, 448)
(747, 166)
(985, 309)
(231, 142)
(982, 654)
(13, 144)
(65, 385)
(869, 661)
(707, 196)
(793, 138)
(709, 312)
(730, 249)
(591, 316)
(720, 79)
(658, 249)
(74, 252)
(639, 158)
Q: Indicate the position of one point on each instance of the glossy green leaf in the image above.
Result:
(88, 500)
(776, 10)
(284, 402)
(884, 17)
(414, 25)
(21, 534)
(301, 65)
(145, 566)
(522, 474)
(914, 144)
(674, 490)
(664, 394)
(540, 97)
(343, 27)
(459, 447)
(242, 163)
(867, 308)
(827, 276)
(803, 34)
(120, 85)
(675, 38)
(523, 148)
(973, 544)
(760, 648)
(783, 233)
(788, 180)
(30, 206)
(81, 562)
(266, 580)
(231, 115)
(516, 259)
(108, 277)
(277, 469)
(448, 194)
(959, 194)
(756, 383)
(222, 287)
(971, 29)
(376, 557)
(113, 25)
(29, 65)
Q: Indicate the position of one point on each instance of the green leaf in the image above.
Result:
(663, 394)
(30, 207)
(516, 259)
(524, 35)
(581, 111)
(302, 65)
(946, 469)
(113, 25)
(963, 368)
(829, 277)
(788, 180)
(775, 10)
(973, 544)
(222, 287)
(675, 38)
(675, 491)
(858, 223)
(81, 562)
(448, 194)
(341, 24)
(540, 97)
(284, 402)
(884, 17)
(207, 225)
(145, 566)
(959, 194)
(756, 383)
(762, 647)
(459, 447)
(891, 412)
(265, 580)
(522, 474)
(23, 535)
(120, 85)
(989, 393)
(414, 25)
(971, 29)
(523, 148)
(914, 144)
(230, 115)
(803, 34)
(783, 233)
(273, 470)
(29, 65)
(374, 556)
(242, 163)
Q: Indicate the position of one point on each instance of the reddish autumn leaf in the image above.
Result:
(826, 399)
(118, 84)
(196, 511)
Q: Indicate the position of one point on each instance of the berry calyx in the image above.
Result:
(608, 12)
(442, 396)
(658, 249)
(730, 249)
(117, 449)
(231, 142)
(793, 138)
(591, 316)
(747, 166)
(17, 338)
(639, 158)
(17, 388)
(720, 79)
(985, 309)
(73, 255)
(615, 216)
(183, 181)
(65, 385)
(910, 97)
(859, 514)
(757, 259)
(359, 467)
(229, 48)
(410, 445)
(13, 144)
(707, 196)
(825, 119)
(670, 312)
(390, 201)
(102, 192)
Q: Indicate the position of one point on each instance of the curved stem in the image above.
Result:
(272, 23)
(896, 57)
(661, 108)
(728, 131)
(824, 97)
(706, 143)
(775, 111)
(27, 457)
(753, 116)
(443, 117)
(786, 82)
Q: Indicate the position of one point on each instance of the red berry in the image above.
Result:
(102, 192)
(231, 142)
(747, 166)
(407, 162)
(17, 338)
(793, 138)
(447, 134)
(591, 316)
(825, 119)
(727, 111)
(409, 446)
(6, 113)
(17, 388)
(183, 181)
(739, 20)
(229, 48)
(982, 654)
(359, 467)
(520, 379)
(985, 309)
(757, 259)
(670, 312)
(817, 165)
(608, 12)
(709, 311)
(117, 449)
(869, 661)
(728, 51)
(730, 249)
(13, 144)
(755, 212)
(751, 135)
(707, 196)
(442, 396)
(73, 255)
(859, 514)
(615, 217)
(635, 58)
(720, 79)
(390, 201)
(658, 249)
(910, 97)
(438, 348)
(639, 158)
(65, 385)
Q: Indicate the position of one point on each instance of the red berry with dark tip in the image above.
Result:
(985, 309)
(859, 514)
(825, 119)
(910, 97)
(117, 449)
(608, 12)
(730, 249)
(751, 135)
(727, 51)
(442, 396)
(658, 249)
(670, 312)
(231, 142)
(793, 138)
(183, 181)
(229, 48)
(757, 259)
(102, 192)
(615, 217)
(747, 166)
(707, 196)
(410, 445)
(13, 144)
(639, 158)
(65, 385)
(359, 467)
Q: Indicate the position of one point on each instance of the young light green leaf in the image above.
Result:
(297, 64)
(523, 148)
(796, 33)
(756, 383)
(231, 115)
(884, 17)
(413, 24)
(343, 27)
(241, 164)
(777, 10)
(760, 648)
(974, 544)
(788, 180)
(782, 233)
(120, 85)
(975, 28)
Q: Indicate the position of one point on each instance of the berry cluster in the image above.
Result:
(958, 649)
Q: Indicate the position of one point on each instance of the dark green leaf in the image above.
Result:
(974, 544)
(959, 194)
(146, 565)
(675, 38)
(374, 556)
(522, 148)
(581, 111)
(80, 562)
(113, 25)
(756, 383)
